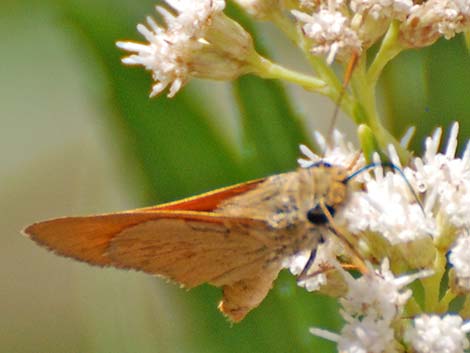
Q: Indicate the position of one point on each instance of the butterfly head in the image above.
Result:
(330, 188)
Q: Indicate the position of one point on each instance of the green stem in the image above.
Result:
(364, 91)
(467, 39)
(443, 305)
(267, 69)
(365, 95)
(432, 284)
(412, 308)
(365, 83)
(327, 74)
(389, 48)
(323, 70)
(465, 312)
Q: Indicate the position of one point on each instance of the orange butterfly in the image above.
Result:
(235, 237)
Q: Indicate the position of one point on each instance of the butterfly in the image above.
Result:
(236, 238)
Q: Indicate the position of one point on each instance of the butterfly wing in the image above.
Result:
(208, 201)
(190, 248)
(87, 238)
(230, 255)
(84, 238)
(188, 251)
(183, 241)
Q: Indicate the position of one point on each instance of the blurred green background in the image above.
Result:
(79, 136)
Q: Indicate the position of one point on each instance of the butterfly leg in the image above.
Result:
(344, 236)
(311, 259)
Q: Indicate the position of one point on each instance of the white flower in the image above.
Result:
(341, 153)
(446, 178)
(297, 263)
(378, 294)
(361, 336)
(193, 16)
(432, 334)
(163, 56)
(331, 33)
(411, 207)
(372, 303)
(389, 208)
(423, 211)
(366, 336)
(431, 19)
(454, 17)
(197, 41)
(460, 258)
(325, 259)
(379, 9)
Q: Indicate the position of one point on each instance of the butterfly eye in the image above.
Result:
(317, 216)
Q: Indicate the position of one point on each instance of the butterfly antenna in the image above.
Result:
(391, 166)
(347, 77)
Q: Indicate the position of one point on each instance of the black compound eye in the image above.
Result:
(316, 216)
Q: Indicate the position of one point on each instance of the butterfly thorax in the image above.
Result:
(324, 183)
(285, 200)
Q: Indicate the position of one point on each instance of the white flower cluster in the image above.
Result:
(340, 152)
(444, 182)
(197, 41)
(460, 259)
(429, 199)
(331, 32)
(408, 216)
(445, 179)
(380, 9)
(432, 19)
(389, 207)
(338, 28)
(370, 307)
(432, 333)
(196, 38)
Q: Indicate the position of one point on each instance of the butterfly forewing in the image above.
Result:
(190, 252)
(84, 238)
(87, 238)
(235, 238)
(187, 247)
(208, 201)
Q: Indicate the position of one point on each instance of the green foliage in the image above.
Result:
(429, 88)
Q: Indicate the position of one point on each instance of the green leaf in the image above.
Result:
(427, 89)
(181, 153)
(272, 130)
(367, 141)
(467, 39)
